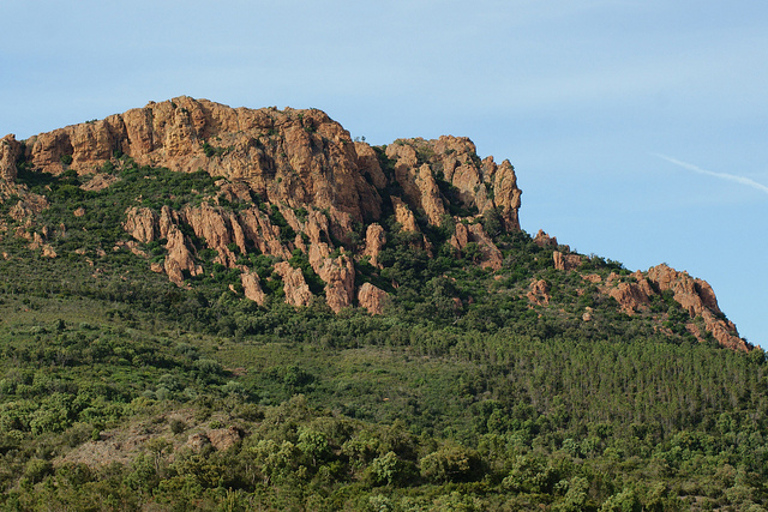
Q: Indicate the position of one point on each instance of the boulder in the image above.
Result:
(372, 298)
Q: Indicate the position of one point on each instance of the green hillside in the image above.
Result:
(120, 390)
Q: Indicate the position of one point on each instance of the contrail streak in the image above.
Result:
(721, 175)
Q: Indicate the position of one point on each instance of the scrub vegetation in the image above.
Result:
(117, 386)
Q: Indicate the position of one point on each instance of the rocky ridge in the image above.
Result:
(634, 293)
(305, 189)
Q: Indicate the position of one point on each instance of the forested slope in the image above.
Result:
(201, 341)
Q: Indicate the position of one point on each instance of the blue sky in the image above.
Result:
(637, 128)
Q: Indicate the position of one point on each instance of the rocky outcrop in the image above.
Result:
(295, 157)
(544, 240)
(252, 287)
(566, 262)
(294, 185)
(462, 169)
(294, 166)
(538, 292)
(372, 298)
(300, 183)
(404, 216)
(423, 191)
(339, 276)
(179, 258)
(434, 173)
(490, 255)
(636, 292)
(368, 162)
(697, 297)
(219, 229)
(506, 193)
(141, 224)
(258, 228)
(375, 239)
(10, 151)
(296, 290)
(631, 297)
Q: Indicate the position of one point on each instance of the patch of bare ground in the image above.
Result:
(170, 432)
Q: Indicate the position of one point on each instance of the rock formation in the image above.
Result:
(634, 293)
(490, 255)
(632, 297)
(10, 151)
(142, 224)
(538, 292)
(290, 159)
(339, 276)
(566, 261)
(375, 239)
(296, 289)
(310, 200)
(372, 298)
(421, 166)
(252, 287)
(544, 240)
(697, 297)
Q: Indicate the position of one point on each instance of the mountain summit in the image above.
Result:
(283, 205)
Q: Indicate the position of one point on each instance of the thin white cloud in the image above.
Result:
(722, 175)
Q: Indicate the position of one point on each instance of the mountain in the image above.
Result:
(292, 185)
(208, 308)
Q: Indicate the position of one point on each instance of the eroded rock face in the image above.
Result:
(339, 276)
(300, 182)
(633, 295)
(298, 161)
(368, 162)
(10, 151)
(296, 289)
(538, 292)
(481, 185)
(566, 262)
(372, 298)
(294, 157)
(697, 297)
(141, 224)
(375, 239)
(630, 296)
(464, 234)
(687, 291)
(404, 216)
(179, 258)
(507, 194)
(544, 240)
(252, 287)
(219, 229)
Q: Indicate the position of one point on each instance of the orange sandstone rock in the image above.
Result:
(372, 298)
(297, 291)
(566, 262)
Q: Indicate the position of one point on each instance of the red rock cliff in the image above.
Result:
(294, 161)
